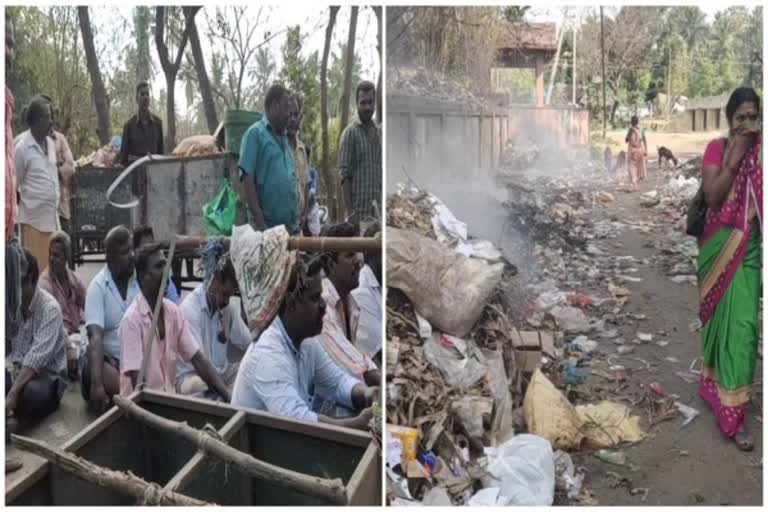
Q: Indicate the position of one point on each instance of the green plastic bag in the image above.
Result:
(220, 214)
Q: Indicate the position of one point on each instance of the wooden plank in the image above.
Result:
(324, 431)
(95, 428)
(20, 487)
(547, 343)
(245, 446)
(197, 462)
(364, 487)
(187, 472)
(187, 402)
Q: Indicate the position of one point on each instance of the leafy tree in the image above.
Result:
(301, 75)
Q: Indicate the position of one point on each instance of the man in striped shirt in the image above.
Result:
(360, 159)
(35, 386)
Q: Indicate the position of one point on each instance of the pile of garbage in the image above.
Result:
(105, 156)
(431, 85)
(480, 406)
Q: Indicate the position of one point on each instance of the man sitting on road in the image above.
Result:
(215, 321)
(172, 341)
(110, 293)
(280, 373)
(69, 292)
(38, 355)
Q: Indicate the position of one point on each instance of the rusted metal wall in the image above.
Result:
(432, 137)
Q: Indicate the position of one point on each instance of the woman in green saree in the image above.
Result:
(729, 268)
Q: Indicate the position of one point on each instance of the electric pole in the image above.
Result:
(602, 51)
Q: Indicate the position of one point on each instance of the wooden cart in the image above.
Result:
(118, 442)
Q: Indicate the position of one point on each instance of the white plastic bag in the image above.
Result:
(523, 468)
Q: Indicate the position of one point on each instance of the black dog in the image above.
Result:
(665, 154)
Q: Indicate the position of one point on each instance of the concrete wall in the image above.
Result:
(698, 120)
(423, 135)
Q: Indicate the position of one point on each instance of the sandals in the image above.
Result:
(744, 440)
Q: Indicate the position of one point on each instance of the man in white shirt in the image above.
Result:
(215, 322)
(65, 163)
(37, 180)
(280, 373)
(368, 296)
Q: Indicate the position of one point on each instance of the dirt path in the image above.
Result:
(678, 143)
(678, 466)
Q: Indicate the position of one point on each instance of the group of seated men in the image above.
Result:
(317, 361)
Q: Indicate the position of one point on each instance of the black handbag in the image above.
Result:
(696, 215)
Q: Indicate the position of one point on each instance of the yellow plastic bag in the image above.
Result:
(609, 424)
(550, 415)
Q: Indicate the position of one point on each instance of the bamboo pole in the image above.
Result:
(123, 482)
(333, 490)
(297, 243)
(156, 316)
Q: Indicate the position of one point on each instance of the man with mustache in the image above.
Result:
(280, 373)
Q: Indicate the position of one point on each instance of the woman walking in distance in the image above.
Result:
(729, 267)
(637, 151)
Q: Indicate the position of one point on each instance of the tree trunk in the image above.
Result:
(350, 62)
(170, 69)
(202, 75)
(327, 174)
(141, 21)
(98, 92)
(554, 66)
(379, 106)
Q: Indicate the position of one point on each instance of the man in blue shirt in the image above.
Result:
(280, 373)
(266, 165)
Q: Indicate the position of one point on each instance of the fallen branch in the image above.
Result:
(125, 483)
(333, 490)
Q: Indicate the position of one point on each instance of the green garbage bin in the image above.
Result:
(236, 122)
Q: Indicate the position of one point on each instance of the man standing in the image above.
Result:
(300, 159)
(173, 339)
(266, 165)
(143, 133)
(38, 180)
(14, 255)
(280, 373)
(214, 321)
(65, 163)
(69, 291)
(37, 353)
(360, 159)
